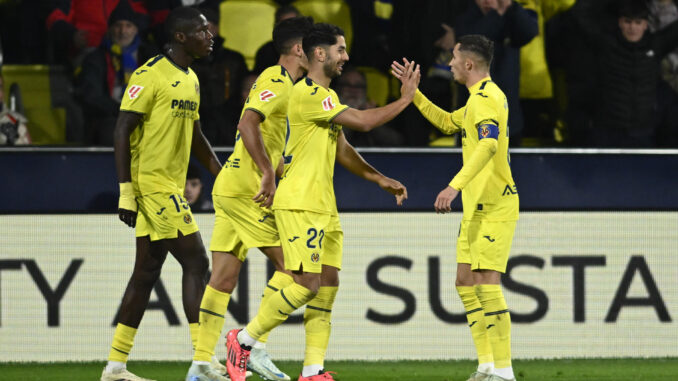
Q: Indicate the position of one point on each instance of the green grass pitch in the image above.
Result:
(526, 370)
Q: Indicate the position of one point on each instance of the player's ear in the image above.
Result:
(179, 37)
(319, 53)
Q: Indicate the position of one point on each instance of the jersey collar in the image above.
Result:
(480, 85)
(185, 71)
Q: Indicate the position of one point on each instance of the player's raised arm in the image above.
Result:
(350, 159)
(448, 123)
(127, 205)
(203, 151)
(366, 120)
(250, 134)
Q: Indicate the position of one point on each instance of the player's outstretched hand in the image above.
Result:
(444, 200)
(395, 188)
(128, 217)
(267, 190)
(410, 82)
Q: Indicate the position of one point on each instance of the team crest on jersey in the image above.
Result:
(266, 95)
(315, 257)
(327, 104)
(484, 131)
(187, 218)
(134, 91)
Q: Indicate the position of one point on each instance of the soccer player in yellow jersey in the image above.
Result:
(489, 198)
(157, 130)
(305, 206)
(243, 194)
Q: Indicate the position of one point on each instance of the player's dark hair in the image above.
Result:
(289, 32)
(284, 10)
(479, 45)
(320, 34)
(181, 19)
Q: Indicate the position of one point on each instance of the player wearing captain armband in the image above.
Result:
(489, 198)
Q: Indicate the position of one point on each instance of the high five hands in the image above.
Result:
(409, 74)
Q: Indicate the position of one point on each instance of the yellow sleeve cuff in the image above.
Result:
(127, 199)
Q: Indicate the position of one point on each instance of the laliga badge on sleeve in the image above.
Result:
(133, 91)
(327, 104)
(266, 95)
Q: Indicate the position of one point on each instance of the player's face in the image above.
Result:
(336, 58)
(192, 190)
(198, 41)
(633, 30)
(458, 65)
(122, 33)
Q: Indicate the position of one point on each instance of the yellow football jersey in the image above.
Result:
(492, 194)
(240, 176)
(310, 150)
(168, 96)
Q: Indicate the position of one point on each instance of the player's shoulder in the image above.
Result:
(308, 89)
(275, 74)
(488, 92)
(148, 70)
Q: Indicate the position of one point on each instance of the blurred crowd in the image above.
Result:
(577, 73)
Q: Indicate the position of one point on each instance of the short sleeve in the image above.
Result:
(322, 105)
(139, 94)
(267, 95)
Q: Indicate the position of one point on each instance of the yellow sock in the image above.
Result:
(277, 282)
(193, 329)
(476, 321)
(123, 340)
(212, 310)
(317, 323)
(498, 322)
(277, 308)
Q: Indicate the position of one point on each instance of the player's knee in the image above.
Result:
(145, 277)
(463, 281)
(223, 281)
(198, 264)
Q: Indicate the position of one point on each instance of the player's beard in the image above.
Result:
(331, 70)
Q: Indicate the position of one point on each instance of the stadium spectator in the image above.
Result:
(352, 90)
(220, 74)
(158, 129)
(193, 192)
(420, 35)
(77, 27)
(511, 27)
(106, 71)
(536, 87)
(267, 55)
(662, 14)
(627, 67)
(13, 129)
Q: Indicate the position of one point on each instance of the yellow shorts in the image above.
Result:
(485, 245)
(162, 215)
(310, 240)
(241, 224)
